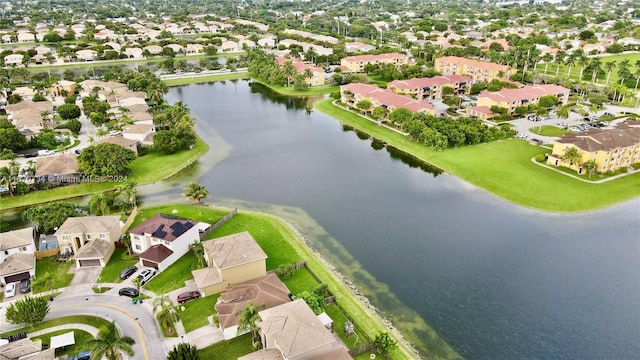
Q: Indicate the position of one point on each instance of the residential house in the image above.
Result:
(317, 37)
(91, 238)
(120, 141)
(105, 34)
(230, 46)
(431, 88)
(153, 49)
(141, 117)
(162, 239)
(58, 169)
(29, 122)
(357, 46)
(13, 59)
(17, 261)
(351, 94)
(193, 49)
(63, 88)
(25, 36)
(510, 99)
(317, 73)
(114, 46)
(86, 55)
(610, 148)
(25, 93)
(268, 42)
(292, 331)
(177, 48)
(133, 53)
(230, 260)
(259, 26)
(477, 70)
(250, 44)
(25, 349)
(480, 112)
(266, 291)
(142, 133)
(357, 63)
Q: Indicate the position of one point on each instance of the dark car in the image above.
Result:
(189, 295)
(30, 155)
(129, 291)
(77, 151)
(124, 274)
(25, 286)
(85, 355)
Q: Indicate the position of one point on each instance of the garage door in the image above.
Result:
(148, 263)
(93, 262)
(16, 277)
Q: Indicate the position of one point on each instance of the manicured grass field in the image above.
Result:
(575, 69)
(315, 90)
(174, 276)
(205, 79)
(60, 269)
(150, 168)
(339, 319)
(196, 312)
(111, 272)
(81, 338)
(548, 130)
(300, 281)
(504, 168)
(201, 213)
(228, 350)
(76, 319)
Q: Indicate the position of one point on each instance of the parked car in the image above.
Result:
(85, 355)
(189, 295)
(77, 151)
(124, 274)
(146, 275)
(25, 286)
(45, 152)
(30, 155)
(129, 291)
(114, 133)
(10, 290)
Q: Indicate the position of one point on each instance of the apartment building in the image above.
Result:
(510, 99)
(358, 62)
(351, 94)
(431, 88)
(477, 70)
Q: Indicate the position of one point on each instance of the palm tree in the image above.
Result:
(126, 196)
(165, 312)
(583, 61)
(110, 345)
(101, 132)
(559, 60)
(590, 166)
(98, 204)
(249, 318)
(183, 351)
(572, 156)
(570, 61)
(623, 71)
(195, 192)
(198, 249)
(594, 64)
(563, 112)
(7, 179)
(636, 76)
(137, 282)
(608, 67)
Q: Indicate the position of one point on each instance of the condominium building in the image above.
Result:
(431, 88)
(357, 63)
(510, 99)
(317, 74)
(351, 94)
(477, 70)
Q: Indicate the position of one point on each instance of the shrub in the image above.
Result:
(541, 158)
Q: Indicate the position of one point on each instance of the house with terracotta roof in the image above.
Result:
(266, 291)
(17, 261)
(162, 239)
(293, 331)
(431, 88)
(510, 99)
(480, 112)
(611, 148)
(357, 63)
(90, 238)
(477, 70)
(230, 260)
(58, 169)
(351, 94)
(317, 74)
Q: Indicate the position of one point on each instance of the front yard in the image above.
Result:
(229, 349)
(111, 272)
(196, 312)
(174, 276)
(62, 277)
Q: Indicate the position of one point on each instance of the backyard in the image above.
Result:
(81, 338)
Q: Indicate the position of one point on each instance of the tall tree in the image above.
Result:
(165, 312)
(98, 204)
(608, 67)
(571, 156)
(195, 192)
(183, 351)
(28, 311)
(590, 166)
(45, 281)
(105, 160)
(248, 320)
(50, 216)
(110, 345)
(385, 343)
(126, 196)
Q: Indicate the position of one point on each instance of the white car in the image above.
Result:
(146, 275)
(45, 152)
(114, 133)
(10, 290)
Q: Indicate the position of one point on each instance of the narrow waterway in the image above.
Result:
(495, 280)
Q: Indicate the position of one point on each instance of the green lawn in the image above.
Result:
(76, 319)
(81, 337)
(201, 213)
(111, 272)
(196, 312)
(339, 319)
(147, 169)
(315, 90)
(205, 79)
(60, 269)
(575, 69)
(174, 276)
(229, 349)
(300, 281)
(504, 168)
(548, 130)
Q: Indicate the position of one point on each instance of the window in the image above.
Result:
(137, 247)
(24, 248)
(102, 236)
(65, 237)
(88, 236)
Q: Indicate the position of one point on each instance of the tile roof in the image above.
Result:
(206, 277)
(18, 262)
(429, 82)
(527, 92)
(37, 105)
(263, 354)
(64, 164)
(234, 250)
(156, 253)
(481, 109)
(620, 136)
(470, 62)
(163, 226)
(89, 224)
(267, 291)
(20, 349)
(299, 65)
(95, 248)
(371, 58)
(387, 97)
(16, 238)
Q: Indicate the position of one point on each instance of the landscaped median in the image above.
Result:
(503, 168)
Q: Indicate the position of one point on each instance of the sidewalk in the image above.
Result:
(84, 327)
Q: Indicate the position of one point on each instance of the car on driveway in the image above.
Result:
(124, 274)
(85, 355)
(10, 290)
(25, 286)
(146, 275)
(128, 291)
(189, 295)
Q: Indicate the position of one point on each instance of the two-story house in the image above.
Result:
(162, 239)
(90, 238)
(16, 255)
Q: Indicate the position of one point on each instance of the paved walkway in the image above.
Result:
(84, 327)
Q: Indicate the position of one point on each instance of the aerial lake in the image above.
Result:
(493, 279)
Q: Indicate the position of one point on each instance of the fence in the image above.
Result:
(218, 223)
(130, 219)
(361, 349)
(46, 253)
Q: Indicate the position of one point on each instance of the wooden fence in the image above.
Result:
(46, 253)
(218, 223)
(130, 219)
